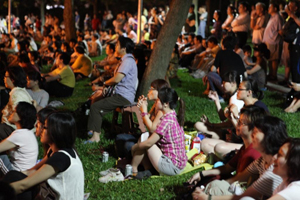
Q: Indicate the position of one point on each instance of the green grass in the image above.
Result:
(197, 104)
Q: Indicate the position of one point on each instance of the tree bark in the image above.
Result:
(69, 19)
(161, 54)
(95, 8)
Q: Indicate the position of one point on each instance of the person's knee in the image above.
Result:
(221, 149)
(206, 147)
(199, 126)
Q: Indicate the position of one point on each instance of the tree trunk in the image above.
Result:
(161, 54)
(209, 16)
(69, 19)
(95, 8)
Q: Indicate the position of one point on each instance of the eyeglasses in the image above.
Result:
(240, 123)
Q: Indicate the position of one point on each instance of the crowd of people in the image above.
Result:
(248, 140)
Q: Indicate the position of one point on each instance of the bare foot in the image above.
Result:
(288, 109)
(291, 110)
(95, 137)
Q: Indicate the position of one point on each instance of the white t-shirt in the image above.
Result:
(24, 156)
(233, 100)
(290, 192)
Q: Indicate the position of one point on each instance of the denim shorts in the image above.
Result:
(166, 166)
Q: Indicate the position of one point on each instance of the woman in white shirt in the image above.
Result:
(216, 130)
(286, 165)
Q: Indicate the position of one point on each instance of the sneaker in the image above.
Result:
(221, 100)
(104, 173)
(56, 103)
(199, 74)
(112, 176)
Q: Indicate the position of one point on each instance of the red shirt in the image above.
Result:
(95, 23)
(243, 158)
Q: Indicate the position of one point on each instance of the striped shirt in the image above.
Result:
(171, 142)
(267, 181)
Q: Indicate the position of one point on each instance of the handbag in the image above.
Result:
(108, 90)
(45, 192)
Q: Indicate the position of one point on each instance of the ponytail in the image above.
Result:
(181, 112)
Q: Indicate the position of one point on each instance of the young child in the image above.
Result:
(247, 56)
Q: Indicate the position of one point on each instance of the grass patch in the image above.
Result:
(197, 104)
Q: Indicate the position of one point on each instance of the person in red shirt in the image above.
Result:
(246, 155)
(38, 23)
(95, 23)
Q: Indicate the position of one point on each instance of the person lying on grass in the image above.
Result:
(165, 148)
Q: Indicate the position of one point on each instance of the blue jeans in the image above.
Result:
(215, 82)
(201, 28)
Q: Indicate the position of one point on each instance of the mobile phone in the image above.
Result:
(187, 184)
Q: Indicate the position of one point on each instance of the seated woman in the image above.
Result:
(14, 79)
(259, 70)
(82, 67)
(35, 59)
(152, 118)
(286, 165)
(21, 144)
(249, 92)
(217, 130)
(242, 158)
(40, 123)
(61, 168)
(41, 97)
(165, 148)
(268, 136)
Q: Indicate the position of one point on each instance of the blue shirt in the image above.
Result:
(127, 86)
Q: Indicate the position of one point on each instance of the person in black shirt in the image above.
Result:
(189, 26)
(226, 60)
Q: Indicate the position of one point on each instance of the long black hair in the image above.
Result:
(61, 128)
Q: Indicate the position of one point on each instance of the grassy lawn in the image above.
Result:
(197, 104)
